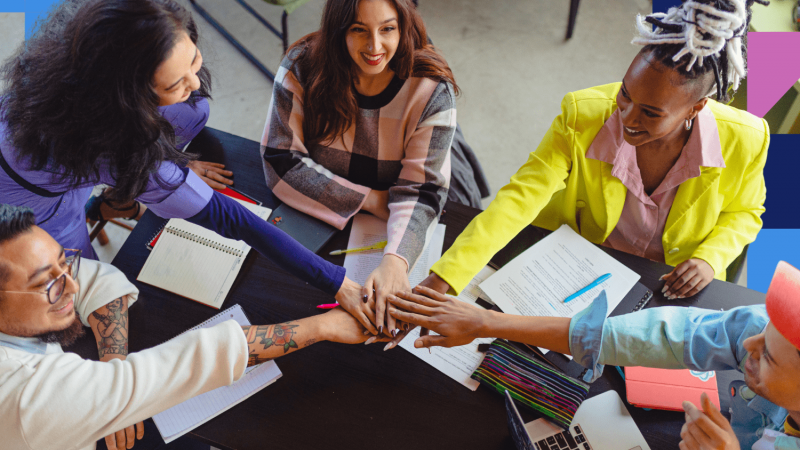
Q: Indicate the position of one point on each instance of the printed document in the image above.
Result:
(536, 282)
(369, 230)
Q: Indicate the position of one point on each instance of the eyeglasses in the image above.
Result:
(55, 288)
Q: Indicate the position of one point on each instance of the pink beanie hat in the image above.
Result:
(783, 302)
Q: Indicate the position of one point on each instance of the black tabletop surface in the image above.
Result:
(338, 396)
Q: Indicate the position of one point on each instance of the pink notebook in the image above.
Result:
(667, 389)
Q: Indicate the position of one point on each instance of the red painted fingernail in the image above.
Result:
(394, 332)
(365, 298)
(380, 329)
(405, 327)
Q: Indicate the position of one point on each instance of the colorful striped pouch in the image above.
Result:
(531, 383)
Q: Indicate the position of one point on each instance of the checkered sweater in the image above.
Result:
(400, 140)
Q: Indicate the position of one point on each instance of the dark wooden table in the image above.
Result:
(354, 397)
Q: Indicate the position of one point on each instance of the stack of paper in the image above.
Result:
(185, 417)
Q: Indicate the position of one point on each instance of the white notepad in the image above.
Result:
(195, 262)
(185, 417)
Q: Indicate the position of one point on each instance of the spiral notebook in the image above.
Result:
(184, 417)
(195, 262)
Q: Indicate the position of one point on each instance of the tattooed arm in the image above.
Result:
(266, 342)
(110, 327)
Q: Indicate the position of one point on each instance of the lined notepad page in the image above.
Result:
(185, 417)
(195, 262)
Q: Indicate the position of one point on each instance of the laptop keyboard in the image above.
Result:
(565, 441)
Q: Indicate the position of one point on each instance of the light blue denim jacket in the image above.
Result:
(681, 338)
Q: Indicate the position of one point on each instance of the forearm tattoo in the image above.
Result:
(112, 329)
(262, 337)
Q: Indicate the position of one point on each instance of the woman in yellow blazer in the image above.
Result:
(713, 215)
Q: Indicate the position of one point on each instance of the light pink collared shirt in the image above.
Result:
(641, 225)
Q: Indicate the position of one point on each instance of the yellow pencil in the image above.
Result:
(377, 246)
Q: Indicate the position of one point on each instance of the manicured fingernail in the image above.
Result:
(365, 298)
(394, 332)
(429, 351)
(405, 326)
(680, 296)
(371, 340)
(661, 278)
(380, 329)
(664, 289)
(366, 332)
(389, 346)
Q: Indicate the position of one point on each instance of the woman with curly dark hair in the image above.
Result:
(362, 118)
(82, 107)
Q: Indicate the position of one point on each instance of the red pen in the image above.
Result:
(327, 306)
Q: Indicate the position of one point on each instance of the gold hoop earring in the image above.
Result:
(687, 124)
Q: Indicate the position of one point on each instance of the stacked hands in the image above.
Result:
(390, 314)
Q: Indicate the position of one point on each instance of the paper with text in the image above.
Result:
(536, 282)
(369, 230)
(457, 363)
(185, 417)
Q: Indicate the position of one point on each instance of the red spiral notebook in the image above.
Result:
(230, 192)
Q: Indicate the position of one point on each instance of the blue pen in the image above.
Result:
(591, 286)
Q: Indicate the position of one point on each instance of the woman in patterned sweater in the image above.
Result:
(362, 117)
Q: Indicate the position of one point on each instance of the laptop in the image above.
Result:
(667, 389)
(601, 423)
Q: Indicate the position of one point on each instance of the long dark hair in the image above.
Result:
(329, 102)
(80, 98)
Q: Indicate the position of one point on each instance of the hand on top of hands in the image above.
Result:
(456, 322)
(687, 279)
(707, 429)
(390, 277)
(434, 282)
(214, 174)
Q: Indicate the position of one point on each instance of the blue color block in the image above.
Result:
(783, 182)
(12, 6)
(35, 10)
(664, 5)
(770, 247)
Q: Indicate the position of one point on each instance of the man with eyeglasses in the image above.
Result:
(55, 400)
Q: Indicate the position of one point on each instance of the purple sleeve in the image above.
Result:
(232, 220)
(189, 195)
(187, 119)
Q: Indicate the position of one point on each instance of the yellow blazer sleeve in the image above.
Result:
(517, 204)
(739, 222)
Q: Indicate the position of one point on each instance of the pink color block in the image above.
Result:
(773, 67)
(667, 389)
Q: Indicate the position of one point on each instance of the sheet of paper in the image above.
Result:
(536, 282)
(368, 230)
(184, 417)
(457, 363)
